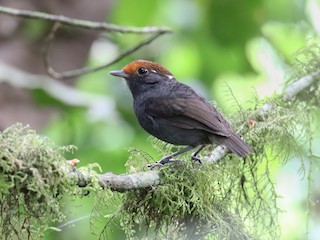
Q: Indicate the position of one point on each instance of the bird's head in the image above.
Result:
(141, 75)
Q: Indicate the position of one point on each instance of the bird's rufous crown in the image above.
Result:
(132, 67)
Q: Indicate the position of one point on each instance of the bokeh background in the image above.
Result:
(215, 45)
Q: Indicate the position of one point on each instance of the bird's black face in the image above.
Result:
(143, 75)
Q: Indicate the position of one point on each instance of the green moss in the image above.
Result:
(33, 181)
(191, 202)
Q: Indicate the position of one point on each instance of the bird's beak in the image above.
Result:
(119, 73)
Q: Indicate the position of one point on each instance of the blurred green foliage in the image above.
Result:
(244, 45)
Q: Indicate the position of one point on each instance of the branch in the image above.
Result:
(81, 23)
(86, 70)
(102, 26)
(120, 183)
(295, 88)
(290, 92)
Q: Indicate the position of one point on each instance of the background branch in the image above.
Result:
(98, 105)
(73, 22)
(86, 70)
(101, 26)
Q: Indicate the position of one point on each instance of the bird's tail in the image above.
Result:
(237, 145)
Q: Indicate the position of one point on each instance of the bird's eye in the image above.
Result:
(142, 71)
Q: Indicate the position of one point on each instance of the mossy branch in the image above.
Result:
(120, 183)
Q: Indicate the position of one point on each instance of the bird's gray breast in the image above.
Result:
(145, 120)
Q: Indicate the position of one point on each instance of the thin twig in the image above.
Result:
(86, 70)
(45, 50)
(81, 23)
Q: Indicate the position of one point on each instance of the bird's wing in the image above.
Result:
(189, 113)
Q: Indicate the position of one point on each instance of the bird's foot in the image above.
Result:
(153, 165)
(165, 160)
(195, 158)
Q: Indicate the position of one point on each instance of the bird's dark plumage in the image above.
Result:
(174, 112)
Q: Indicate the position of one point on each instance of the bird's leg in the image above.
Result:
(168, 158)
(194, 155)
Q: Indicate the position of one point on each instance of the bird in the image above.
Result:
(174, 113)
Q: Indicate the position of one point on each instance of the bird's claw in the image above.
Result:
(166, 160)
(195, 158)
(153, 165)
